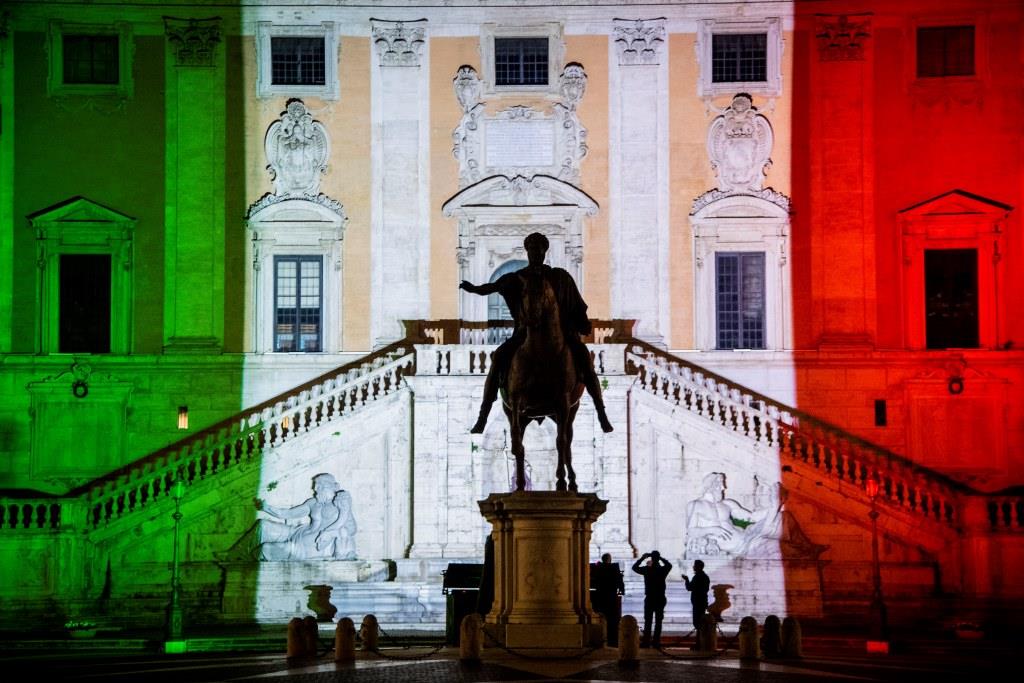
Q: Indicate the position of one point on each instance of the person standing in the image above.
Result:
(654, 573)
(698, 586)
(606, 586)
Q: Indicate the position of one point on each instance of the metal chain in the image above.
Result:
(525, 655)
(388, 636)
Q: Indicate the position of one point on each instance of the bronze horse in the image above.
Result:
(542, 380)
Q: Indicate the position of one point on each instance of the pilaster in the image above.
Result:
(400, 223)
(638, 120)
(194, 214)
(6, 180)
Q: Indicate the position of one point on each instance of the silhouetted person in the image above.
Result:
(606, 586)
(698, 586)
(654, 574)
(574, 323)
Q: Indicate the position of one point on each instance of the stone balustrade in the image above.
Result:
(800, 438)
(475, 359)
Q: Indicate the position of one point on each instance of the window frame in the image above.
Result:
(80, 226)
(294, 227)
(742, 223)
(299, 259)
(719, 254)
(265, 87)
(917, 51)
(932, 87)
(556, 55)
(770, 87)
(954, 220)
(55, 85)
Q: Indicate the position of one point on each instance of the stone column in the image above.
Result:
(638, 160)
(400, 223)
(541, 573)
(194, 214)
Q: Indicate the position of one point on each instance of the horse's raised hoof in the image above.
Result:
(606, 426)
(478, 428)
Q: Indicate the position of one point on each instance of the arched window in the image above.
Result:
(496, 307)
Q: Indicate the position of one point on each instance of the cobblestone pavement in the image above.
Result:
(940, 662)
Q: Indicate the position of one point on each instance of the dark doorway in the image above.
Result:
(951, 298)
(84, 303)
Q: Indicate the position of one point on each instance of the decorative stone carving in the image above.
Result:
(720, 526)
(842, 40)
(466, 137)
(297, 149)
(399, 43)
(327, 530)
(193, 41)
(519, 140)
(740, 145)
(639, 41)
(572, 84)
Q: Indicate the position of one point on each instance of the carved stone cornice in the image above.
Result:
(841, 39)
(399, 43)
(768, 194)
(639, 41)
(193, 41)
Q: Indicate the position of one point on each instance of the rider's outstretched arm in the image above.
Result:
(483, 290)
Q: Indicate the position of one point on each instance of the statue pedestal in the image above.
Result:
(541, 572)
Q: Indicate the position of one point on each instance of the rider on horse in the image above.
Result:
(574, 323)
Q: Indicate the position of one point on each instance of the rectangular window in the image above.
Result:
(84, 308)
(520, 61)
(297, 60)
(945, 51)
(951, 298)
(739, 57)
(297, 309)
(90, 59)
(739, 300)
(881, 413)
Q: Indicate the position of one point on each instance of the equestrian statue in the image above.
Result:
(542, 369)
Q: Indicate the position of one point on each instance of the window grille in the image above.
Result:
(945, 51)
(739, 57)
(91, 59)
(298, 292)
(297, 61)
(520, 61)
(740, 299)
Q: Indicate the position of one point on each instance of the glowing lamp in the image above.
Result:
(872, 487)
(182, 417)
(178, 487)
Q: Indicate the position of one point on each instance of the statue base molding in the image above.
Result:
(541, 574)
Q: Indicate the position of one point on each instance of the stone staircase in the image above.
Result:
(920, 506)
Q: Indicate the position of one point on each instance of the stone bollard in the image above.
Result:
(792, 640)
(471, 637)
(296, 638)
(345, 641)
(629, 640)
(749, 647)
(771, 641)
(708, 636)
(369, 632)
(311, 632)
